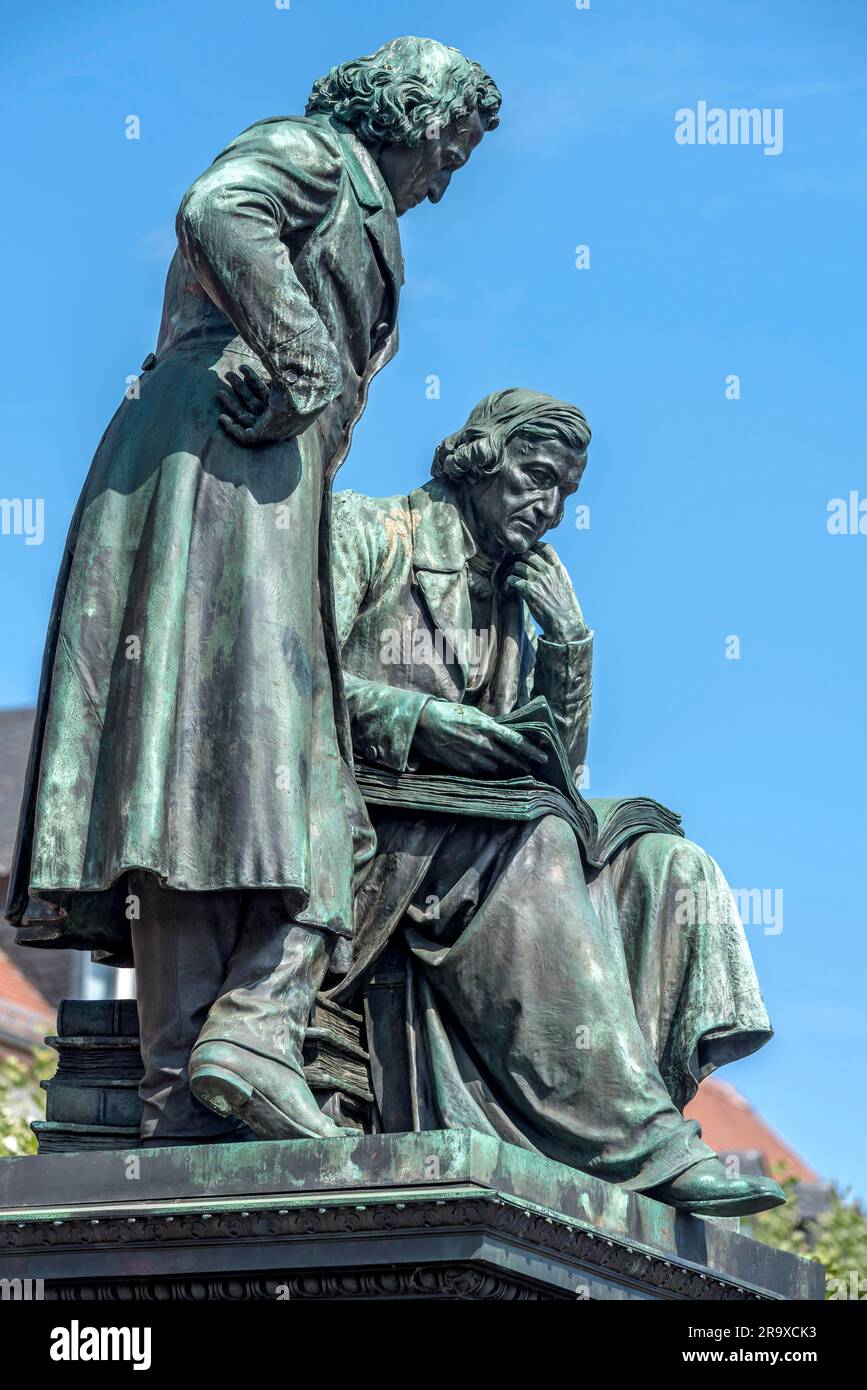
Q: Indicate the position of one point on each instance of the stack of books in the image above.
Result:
(337, 1067)
(92, 1100)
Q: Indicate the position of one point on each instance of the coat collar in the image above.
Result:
(367, 182)
(371, 191)
(440, 540)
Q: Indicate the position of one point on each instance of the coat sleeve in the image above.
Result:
(562, 672)
(239, 227)
(383, 717)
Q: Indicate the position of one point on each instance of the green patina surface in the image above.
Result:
(383, 1170)
(202, 693)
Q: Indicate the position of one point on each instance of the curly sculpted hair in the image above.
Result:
(404, 89)
(476, 451)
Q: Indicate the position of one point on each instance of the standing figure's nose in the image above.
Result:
(438, 185)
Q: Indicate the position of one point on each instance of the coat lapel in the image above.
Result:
(441, 547)
(380, 218)
(448, 601)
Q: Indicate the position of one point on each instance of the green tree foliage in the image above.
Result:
(836, 1237)
(22, 1100)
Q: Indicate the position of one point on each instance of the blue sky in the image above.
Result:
(708, 515)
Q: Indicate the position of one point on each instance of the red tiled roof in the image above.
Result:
(730, 1125)
(24, 1015)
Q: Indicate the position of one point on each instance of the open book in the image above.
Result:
(601, 825)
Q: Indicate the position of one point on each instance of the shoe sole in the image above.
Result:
(226, 1093)
(730, 1206)
(222, 1091)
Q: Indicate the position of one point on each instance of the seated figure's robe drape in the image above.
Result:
(506, 987)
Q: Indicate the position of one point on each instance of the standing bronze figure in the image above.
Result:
(189, 777)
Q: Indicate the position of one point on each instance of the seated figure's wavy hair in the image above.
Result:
(476, 451)
(402, 89)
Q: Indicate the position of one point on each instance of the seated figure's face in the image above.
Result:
(426, 172)
(512, 510)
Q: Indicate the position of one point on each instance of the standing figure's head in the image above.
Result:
(421, 107)
(516, 460)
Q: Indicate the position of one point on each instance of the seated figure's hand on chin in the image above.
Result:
(543, 582)
(465, 740)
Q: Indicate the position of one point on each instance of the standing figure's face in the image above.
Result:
(426, 172)
(509, 512)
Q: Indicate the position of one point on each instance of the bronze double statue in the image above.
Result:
(289, 742)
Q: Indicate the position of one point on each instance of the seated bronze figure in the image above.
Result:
(509, 986)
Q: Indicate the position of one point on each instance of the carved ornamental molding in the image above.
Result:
(593, 1252)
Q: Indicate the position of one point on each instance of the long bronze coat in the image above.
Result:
(190, 719)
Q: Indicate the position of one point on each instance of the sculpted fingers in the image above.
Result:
(547, 556)
(502, 734)
(522, 569)
(235, 409)
(488, 765)
(533, 754)
(246, 436)
(518, 745)
(513, 750)
(518, 763)
(515, 584)
(509, 766)
(248, 398)
(256, 385)
(537, 562)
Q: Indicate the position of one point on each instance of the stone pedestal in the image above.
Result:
(448, 1214)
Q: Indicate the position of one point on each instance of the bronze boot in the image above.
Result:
(248, 1060)
(707, 1190)
(271, 1097)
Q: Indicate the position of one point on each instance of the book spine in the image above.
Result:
(97, 1018)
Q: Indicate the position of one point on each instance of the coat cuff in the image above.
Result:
(563, 673)
(308, 366)
(383, 730)
(564, 663)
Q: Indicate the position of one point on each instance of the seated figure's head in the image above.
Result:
(421, 107)
(514, 463)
